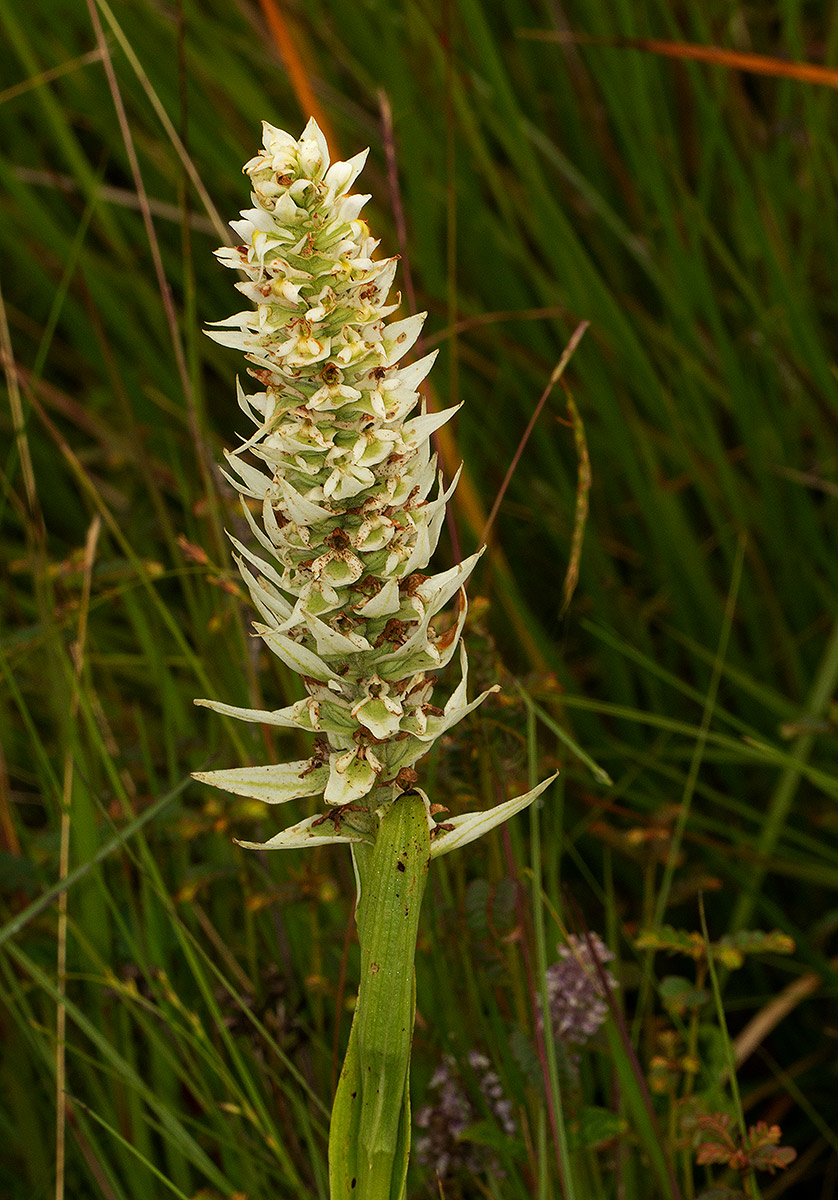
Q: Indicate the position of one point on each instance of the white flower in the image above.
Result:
(351, 505)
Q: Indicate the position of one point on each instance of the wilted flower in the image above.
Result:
(349, 501)
(446, 1120)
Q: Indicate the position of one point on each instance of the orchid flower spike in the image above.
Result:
(345, 505)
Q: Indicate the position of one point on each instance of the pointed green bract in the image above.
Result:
(467, 827)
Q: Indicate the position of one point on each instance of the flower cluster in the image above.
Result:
(442, 1146)
(349, 504)
(575, 991)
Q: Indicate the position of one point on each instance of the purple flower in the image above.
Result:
(575, 991)
(446, 1120)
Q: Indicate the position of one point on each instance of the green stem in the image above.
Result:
(369, 1138)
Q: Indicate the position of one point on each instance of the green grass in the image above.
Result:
(686, 212)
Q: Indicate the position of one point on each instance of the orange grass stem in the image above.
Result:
(736, 60)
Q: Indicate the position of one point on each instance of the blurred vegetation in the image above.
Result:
(686, 211)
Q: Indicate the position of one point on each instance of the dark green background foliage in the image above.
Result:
(687, 212)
